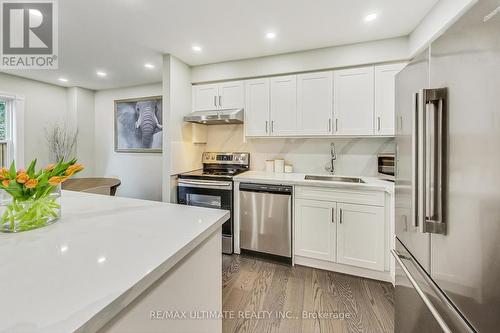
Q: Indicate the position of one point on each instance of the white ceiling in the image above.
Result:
(119, 36)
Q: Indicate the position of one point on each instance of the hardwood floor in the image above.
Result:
(280, 294)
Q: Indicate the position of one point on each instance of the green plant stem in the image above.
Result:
(29, 214)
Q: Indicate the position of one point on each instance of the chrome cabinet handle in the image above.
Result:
(267, 126)
(215, 101)
(336, 125)
(329, 125)
(333, 215)
(378, 124)
(272, 126)
(220, 101)
(341, 218)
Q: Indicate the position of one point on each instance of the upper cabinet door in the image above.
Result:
(354, 101)
(231, 95)
(385, 98)
(257, 107)
(314, 103)
(205, 97)
(284, 105)
(361, 236)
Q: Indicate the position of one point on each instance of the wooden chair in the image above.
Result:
(106, 186)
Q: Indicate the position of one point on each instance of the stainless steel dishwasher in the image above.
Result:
(266, 219)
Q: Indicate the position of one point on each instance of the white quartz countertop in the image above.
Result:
(105, 251)
(371, 183)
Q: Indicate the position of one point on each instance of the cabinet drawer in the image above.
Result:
(373, 198)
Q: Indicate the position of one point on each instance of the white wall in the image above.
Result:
(387, 50)
(440, 17)
(81, 105)
(355, 157)
(140, 173)
(183, 155)
(44, 105)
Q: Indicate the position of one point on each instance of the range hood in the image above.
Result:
(216, 117)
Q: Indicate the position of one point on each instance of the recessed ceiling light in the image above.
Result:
(62, 79)
(271, 35)
(101, 73)
(149, 66)
(196, 48)
(370, 17)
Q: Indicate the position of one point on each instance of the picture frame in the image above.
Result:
(138, 125)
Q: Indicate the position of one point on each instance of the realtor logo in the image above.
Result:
(29, 36)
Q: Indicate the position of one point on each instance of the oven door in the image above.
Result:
(210, 194)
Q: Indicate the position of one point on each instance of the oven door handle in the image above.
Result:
(219, 185)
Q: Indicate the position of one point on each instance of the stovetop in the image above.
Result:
(220, 165)
(209, 174)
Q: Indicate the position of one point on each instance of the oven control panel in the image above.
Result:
(226, 158)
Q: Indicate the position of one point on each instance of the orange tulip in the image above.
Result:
(5, 182)
(50, 167)
(73, 168)
(20, 171)
(22, 178)
(32, 183)
(4, 172)
(56, 180)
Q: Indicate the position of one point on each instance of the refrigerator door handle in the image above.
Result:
(420, 292)
(433, 157)
(416, 187)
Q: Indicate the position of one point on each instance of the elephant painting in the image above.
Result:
(138, 125)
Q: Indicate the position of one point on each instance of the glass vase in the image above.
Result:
(18, 216)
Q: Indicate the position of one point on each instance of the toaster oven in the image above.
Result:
(386, 166)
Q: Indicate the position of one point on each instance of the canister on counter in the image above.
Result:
(270, 166)
(279, 165)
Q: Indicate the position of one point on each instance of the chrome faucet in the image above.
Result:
(333, 156)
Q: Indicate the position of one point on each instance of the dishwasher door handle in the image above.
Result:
(266, 188)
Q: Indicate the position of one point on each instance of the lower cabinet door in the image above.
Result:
(360, 236)
(315, 229)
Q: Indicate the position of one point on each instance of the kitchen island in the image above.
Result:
(114, 265)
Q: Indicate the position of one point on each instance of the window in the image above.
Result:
(5, 129)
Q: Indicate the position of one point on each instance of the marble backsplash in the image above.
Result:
(355, 156)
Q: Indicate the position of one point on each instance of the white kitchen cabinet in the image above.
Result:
(226, 95)
(231, 95)
(315, 229)
(385, 98)
(205, 97)
(348, 102)
(314, 103)
(257, 106)
(360, 236)
(342, 230)
(283, 105)
(354, 101)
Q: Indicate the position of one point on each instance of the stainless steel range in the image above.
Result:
(212, 187)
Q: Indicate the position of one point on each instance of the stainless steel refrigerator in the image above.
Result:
(448, 180)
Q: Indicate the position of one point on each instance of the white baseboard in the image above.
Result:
(341, 268)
